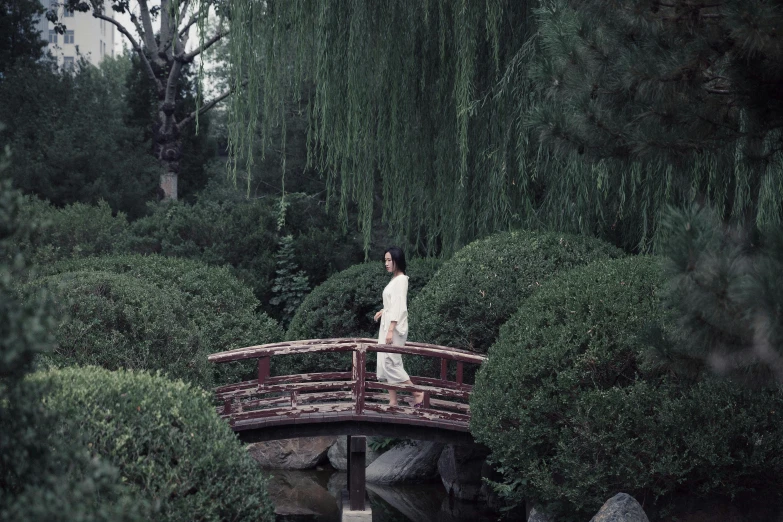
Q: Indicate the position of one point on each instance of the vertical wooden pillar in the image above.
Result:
(459, 372)
(357, 450)
(263, 370)
(359, 363)
(444, 367)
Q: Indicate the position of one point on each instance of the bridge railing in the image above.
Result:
(355, 394)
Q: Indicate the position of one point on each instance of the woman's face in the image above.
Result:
(387, 261)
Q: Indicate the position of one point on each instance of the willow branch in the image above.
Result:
(135, 45)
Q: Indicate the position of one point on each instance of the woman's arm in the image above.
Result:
(390, 333)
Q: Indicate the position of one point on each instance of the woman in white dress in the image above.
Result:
(394, 325)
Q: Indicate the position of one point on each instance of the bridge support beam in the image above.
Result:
(354, 508)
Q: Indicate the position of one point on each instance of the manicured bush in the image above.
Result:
(344, 306)
(166, 441)
(42, 477)
(155, 313)
(573, 413)
(484, 283)
(76, 230)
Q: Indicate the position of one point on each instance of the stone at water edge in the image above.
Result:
(460, 468)
(620, 508)
(304, 453)
(338, 454)
(537, 516)
(414, 462)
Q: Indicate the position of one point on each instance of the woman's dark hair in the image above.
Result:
(398, 256)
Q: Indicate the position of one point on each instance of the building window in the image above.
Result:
(52, 36)
(68, 13)
(68, 63)
(68, 37)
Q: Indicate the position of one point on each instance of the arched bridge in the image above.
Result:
(348, 403)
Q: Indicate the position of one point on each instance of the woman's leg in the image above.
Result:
(417, 396)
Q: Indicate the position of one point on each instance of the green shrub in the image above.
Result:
(227, 228)
(42, 477)
(76, 230)
(155, 313)
(573, 413)
(165, 439)
(344, 306)
(484, 283)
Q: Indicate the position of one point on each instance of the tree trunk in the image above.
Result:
(168, 150)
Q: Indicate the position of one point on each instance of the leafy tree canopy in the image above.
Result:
(20, 40)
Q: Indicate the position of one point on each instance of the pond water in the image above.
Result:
(311, 496)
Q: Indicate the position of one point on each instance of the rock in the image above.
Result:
(338, 454)
(537, 516)
(461, 468)
(304, 453)
(620, 508)
(413, 462)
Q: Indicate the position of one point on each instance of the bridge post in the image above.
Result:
(354, 508)
(358, 376)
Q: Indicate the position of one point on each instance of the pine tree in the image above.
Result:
(727, 295)
(290, 284)
(694, 85)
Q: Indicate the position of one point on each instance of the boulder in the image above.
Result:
(537, 516)
(413, 462)
(620, 508)
(304, 453)
(338, 454)
(461, 470)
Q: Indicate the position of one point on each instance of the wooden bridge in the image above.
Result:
(347, 403)
(350, 402)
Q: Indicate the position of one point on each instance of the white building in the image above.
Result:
(85, 35)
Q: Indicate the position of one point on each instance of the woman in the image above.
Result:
(394, 325)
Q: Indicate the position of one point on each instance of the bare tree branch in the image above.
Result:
(166, 32)
(184, 10)
(207, 106)
(134, 44)
(209, 43)
(149, 33)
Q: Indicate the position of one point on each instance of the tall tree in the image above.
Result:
(20, 39)
(163, 55)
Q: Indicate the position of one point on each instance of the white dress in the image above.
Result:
(395, 308)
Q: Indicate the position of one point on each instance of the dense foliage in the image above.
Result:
(344, 306)
(166, 441)
(154, 313)
(727, 288)
(20, 41)
(42, 476)
(69, 137)
(573, 413)
(479, 288)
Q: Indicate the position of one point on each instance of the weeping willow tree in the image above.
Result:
(459, 118)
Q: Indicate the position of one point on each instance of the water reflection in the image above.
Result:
(311, 496)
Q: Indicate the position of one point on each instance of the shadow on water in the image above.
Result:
(311, 496)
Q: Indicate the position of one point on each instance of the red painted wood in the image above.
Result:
(359, 369)
(310, 398)
(263, 370)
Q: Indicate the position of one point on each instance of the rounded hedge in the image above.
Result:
(573, 413)
(344, 306)
(166, 441)
(484, 283)
(155, 313)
